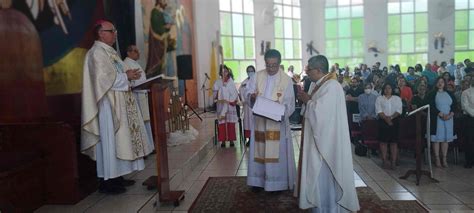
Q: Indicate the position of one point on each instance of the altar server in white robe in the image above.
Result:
(227, 97)
(112, 128)
(271, 163)
(248, 114)
(140, 95)
(327, 178)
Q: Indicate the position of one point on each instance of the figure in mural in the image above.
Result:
(161, 45)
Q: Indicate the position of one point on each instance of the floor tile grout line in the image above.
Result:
(103, 197)
(154, 194)
(417, 197)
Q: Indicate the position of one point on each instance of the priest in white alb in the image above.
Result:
(141, 95)
(326, 178)
(271, 163)
(112, 128)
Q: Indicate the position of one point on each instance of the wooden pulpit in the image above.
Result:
(157, 87)
(418, 172)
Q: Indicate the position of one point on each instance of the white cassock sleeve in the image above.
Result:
(289, 100)
(121, 83)
(251, 88)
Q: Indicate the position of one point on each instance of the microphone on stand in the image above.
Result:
(203, 88)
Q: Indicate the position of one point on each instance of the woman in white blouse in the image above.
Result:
(388, 107)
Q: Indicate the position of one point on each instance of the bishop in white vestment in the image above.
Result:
(327, 178)
(140, 95)
(112, 128)
(271, 158)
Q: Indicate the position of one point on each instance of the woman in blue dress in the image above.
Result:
(442, 105)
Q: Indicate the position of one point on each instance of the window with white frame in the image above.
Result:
(237, 35)
(344, 30)
(288, 33)
(463, 30)
(407, 32)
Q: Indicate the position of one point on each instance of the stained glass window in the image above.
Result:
(237, 35)
(288, 32)
(407, 32)
(344, 20)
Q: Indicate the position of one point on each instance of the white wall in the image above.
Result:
(263, 31)
(206, 17)
(312, 27)
(375, 30)
(441, 19)
(206, 24)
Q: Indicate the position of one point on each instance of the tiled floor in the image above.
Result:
(191, 165)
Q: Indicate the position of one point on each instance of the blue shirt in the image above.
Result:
(451, 69)
(367, 105)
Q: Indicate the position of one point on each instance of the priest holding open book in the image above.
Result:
(271, 161)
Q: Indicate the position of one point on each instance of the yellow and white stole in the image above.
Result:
(267, 131)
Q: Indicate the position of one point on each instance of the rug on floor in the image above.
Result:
(231, 194)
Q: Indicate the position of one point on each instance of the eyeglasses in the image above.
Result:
(110, 31)
(275, 65)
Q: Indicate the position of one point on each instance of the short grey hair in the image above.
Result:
(319, 62)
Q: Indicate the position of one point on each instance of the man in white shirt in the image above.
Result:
(467, 103)
(141, 95)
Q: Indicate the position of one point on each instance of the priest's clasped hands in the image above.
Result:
(133, 74)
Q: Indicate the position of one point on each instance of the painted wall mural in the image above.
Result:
(63, 26)
(168, 40)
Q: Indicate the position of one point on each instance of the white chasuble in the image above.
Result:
(271, 159)
(103, 72)
(142, 99)
(327, 178)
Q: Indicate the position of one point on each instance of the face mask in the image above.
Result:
(251, 74)
(368, 91)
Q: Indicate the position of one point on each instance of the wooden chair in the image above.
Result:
(369, 135)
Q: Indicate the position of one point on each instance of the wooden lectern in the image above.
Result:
(419, 147)
(157, 86)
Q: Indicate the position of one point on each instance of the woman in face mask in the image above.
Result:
(367, 103)
(248, 115)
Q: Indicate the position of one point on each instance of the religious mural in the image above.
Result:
(167, 34)
(62, 26)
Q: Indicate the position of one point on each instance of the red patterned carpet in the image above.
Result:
(231, 194)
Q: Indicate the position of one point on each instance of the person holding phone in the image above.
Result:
(112, 128)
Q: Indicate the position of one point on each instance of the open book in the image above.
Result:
(162, 78)
(268, 108)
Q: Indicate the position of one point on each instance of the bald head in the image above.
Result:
(105, 32)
